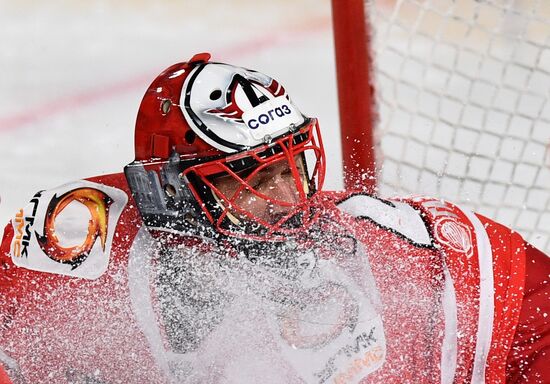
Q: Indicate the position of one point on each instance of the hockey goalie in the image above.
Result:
(216, 257)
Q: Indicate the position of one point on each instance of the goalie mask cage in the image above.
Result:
(453, 99)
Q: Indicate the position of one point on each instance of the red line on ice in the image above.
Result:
(79, 100)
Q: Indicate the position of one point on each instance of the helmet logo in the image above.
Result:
(265, 118)
(233, 109)
(244, 94)
(270, 117)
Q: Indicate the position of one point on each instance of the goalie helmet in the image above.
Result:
(207, 135)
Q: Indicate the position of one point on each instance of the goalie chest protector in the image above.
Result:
(451, 285)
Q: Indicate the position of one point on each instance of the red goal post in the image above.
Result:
(355, 93)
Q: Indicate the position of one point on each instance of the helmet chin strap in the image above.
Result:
(301, 165)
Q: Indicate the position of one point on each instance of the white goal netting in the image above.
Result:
(463, 93)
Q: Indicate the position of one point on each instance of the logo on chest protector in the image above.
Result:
(454, 234)
(352, 361)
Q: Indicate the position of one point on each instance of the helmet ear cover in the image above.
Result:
(165, 203)
(242, 167)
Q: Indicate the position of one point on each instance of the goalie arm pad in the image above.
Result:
(528, 358)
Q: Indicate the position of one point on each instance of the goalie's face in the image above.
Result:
(268, 193)
(262, 193)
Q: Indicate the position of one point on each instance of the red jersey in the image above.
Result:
(377, 291)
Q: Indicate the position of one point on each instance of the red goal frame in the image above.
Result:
(356, 100)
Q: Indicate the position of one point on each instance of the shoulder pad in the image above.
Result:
(398, 217)
(67, 230)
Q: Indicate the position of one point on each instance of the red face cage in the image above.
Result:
(240, 194)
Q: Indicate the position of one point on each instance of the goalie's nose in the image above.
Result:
(285, 189)
(281, 187)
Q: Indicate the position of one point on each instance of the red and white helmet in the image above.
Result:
(200, 121)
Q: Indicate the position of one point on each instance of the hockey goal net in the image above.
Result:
(461, 105)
